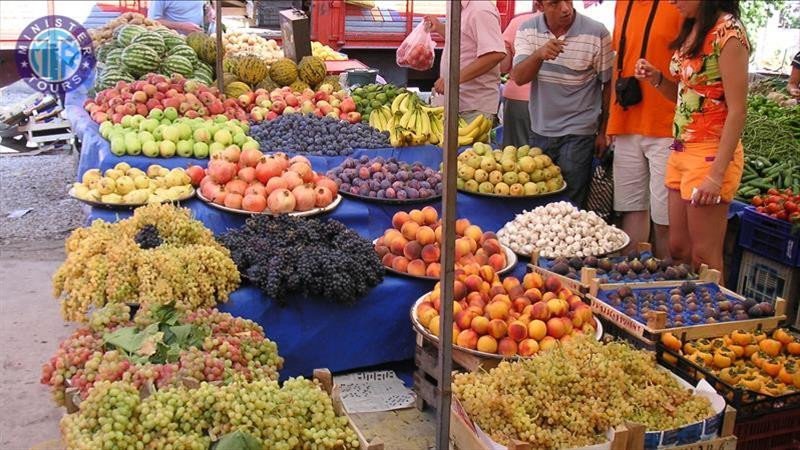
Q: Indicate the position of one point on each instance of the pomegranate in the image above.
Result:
(283, 160)
(233, 200)
(268, 168)
(304, 170)
(324, 181)
(304, 197)
(254, 203)
(275, 183)
(247, 174)
(299, 158)
(219, 197)
(236, 187)
(232, 153)
(209, 189)
(281, 201)
(256, 188)
(250, 157)
(324, 196)
(293, 179)
(221, 171)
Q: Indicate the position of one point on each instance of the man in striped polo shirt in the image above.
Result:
(567, 59)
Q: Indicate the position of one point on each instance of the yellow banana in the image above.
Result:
(476, 123)
(405, 104)
(394, 137)
(478, 132)
(397, 100)
(465, 140)
(412, 122)
(461, 122)
(433, 109)
(425, 122)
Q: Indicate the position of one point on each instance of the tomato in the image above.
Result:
(773, 191)
(773, 199)
(773, 208)
(761, 209)
(790, 206)
(782, 215)
(756, 201)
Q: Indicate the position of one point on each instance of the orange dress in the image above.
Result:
(701, 112)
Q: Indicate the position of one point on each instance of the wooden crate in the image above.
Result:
(655, 326)
(326, 380)
(725, 441)
(426, 384)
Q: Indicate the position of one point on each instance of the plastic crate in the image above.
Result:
(776, 431)
(764, 280)
(769, 237)
(266, 12)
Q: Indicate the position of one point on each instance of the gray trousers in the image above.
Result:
(573, 153)
(516, 123)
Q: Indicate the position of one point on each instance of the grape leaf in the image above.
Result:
(129, 339)
(238, 440)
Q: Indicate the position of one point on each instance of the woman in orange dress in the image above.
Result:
(708, 75)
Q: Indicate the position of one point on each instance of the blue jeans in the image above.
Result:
(573, 153)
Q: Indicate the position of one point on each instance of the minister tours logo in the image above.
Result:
(54, 54)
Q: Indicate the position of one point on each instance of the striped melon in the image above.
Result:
(185, 51)
(138, 59)
(173, 40)
(104, 50)
(299, 86)
(114, 57)
(126, 33)
(251, 69)
(165, 32)
(283, 71)
(311, 70)
(236, 89)
(267, 84)
(110, 78)
(196, 40)
(229, 63)
(177, 64)
(202, 77)
(208, 51)
(205, 68)
(151, 39)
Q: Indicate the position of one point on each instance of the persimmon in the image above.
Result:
(782, 336)
(786, 374)
(771, 367)
(742, 338)
(770, 347)
(722, 359)
(751, 382)
(670, 341)
(793, 348)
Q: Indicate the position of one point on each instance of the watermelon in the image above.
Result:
(176, 64)
(104, 50)
(126, 33)
(173, 40)
(196, 40)
(138, 59)
(205, 68)
(114, 57)
(202, 76)
(165, 32)
(151, 39)
(185, 51)
(110, 78)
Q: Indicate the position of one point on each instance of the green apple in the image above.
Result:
(156, 113)
(510, 178)
(171, 113)
(531, 188)
(251, 144)
(145, 136)
(133, 146)
(148, 125)
(459, 183)
(239, 138)
(220, 118)
(166, 149)
(185, 148)
(200, 150)
(223, 137)
(136, 120)
(118, 145)
(158, 132)
(201, 135)
(171, 133)
(486, 187)
(471, 185)
(215, 148)
(150, 148)
(165, 121)
(185, 130)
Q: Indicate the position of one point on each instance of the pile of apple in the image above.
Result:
(508, 318)
(264, 105)
(413, 243)
(190, 98)
(250, 181)
(126, 185)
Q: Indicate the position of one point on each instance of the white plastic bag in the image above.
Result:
(416, 51)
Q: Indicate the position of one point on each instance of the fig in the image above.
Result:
(622, 267)
(651, 265)
(755, 311)
(636, 266)
(665, 263)
(576, 263)
(724, 305)
(631, 275)
(748, 303)
(590, 261)
(605, 264)
(670, 273)
(766, 309)
(625, 291)
(560, 268)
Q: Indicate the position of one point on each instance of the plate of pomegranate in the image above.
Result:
(387, 180)
(411, 247)
(249, 182)
(515, 319)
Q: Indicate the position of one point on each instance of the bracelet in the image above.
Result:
(719, 185)
(660, 80)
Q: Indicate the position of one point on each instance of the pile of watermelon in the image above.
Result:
(135, 51)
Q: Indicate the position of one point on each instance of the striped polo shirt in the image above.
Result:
(568, 90)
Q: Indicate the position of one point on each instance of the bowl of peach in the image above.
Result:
(508, 318)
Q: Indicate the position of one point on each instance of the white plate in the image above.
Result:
(71, 193)
(627, 240)
(598, 334)
(511, 261)
(309, 213)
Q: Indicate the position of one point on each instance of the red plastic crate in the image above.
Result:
(777, 431)
(770, 237)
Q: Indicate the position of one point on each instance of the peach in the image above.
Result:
(487, 235)
(564, 294)
(497, 328)
(390, 235)
(400, 264)
(566, 338)
(507, 347)
(555, 327)
(473, 244)
(473, 283)
(463, 319)
(481, 257)
(461, 226)
(462, 248)
(537, 329)
(532, 280)
(548, 296)
(470, 269)
(399, 219)
(487, 344)
(467, 339)
(382, 250)
(412, 250)
(491, 246)
(425, 235)
(480, 325)
(433, 325)
(567, 325)
(487, 273)
(473, 232)
(388, 259)
(430, 253)
(496, 289)
(517, 330)
(409, 230)
(457, 308)
(520, 303)
(575, 302)
(534, 294)
(397, 245)
(456, 332)
(497, 261)
(430, 215)
(474, 297)
(585, 312)
(547, 343)
(433, 270)
(588, 328)
(527, 310)
(503, 298)
(425, 315)
(557, 307)
(497, 310)
(510, 282)
(417, 216)
(540, 311)
(438, 233)
(416, 267)
(516, 292)
(552, 284)
(528, 347)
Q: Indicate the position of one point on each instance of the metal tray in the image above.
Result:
(127, 205)
(392, 201)
(309, 213)
(547, 194)
(624, 244)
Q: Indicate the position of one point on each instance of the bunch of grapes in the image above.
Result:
(571, 395)
(285, 255)
(232, 346)
(298, 415)
(157, 256)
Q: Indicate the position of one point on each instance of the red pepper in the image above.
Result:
(782, 215)
(773, 191)
(756, 201)
(790, 206)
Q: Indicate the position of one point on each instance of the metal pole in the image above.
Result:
(220, 48)
(447, 277)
